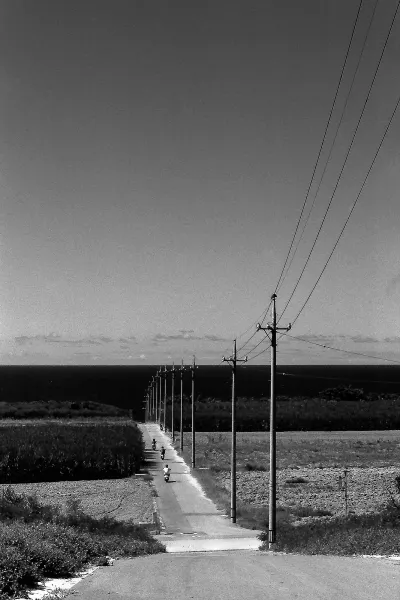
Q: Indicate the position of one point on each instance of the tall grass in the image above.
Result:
(56, 452)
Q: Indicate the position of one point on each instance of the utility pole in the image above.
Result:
(193, 368)
(165, 397)
(182, 369)
(233, 360)
(272, 328)
(156, 395)
(152, 399)
(159, 396)
(173, 371)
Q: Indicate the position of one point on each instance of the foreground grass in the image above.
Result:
(38, 541)
(357, 534)
(366, 534)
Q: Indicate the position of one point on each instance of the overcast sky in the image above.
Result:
(155, 157)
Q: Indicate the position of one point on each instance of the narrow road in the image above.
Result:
(192, 524)
(190, 520)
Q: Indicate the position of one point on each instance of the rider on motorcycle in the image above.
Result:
(166, 470)
(153, 444)
(162, 452)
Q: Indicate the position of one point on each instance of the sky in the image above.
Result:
(155, 158)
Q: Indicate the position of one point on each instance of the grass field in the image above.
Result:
(298, 448)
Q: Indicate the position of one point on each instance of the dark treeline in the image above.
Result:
(337, 409)
(125, 386)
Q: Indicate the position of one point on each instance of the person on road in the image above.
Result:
(162, 452)
(166, 470)
(153, 444)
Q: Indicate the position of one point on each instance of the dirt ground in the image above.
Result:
(122, 499)
(368, 489)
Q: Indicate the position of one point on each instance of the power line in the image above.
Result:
(339, 378)
(351, 212)
(260, 318)
(323, 141)
(256, 346)
(340, 349)
(340, 174)
(333, 142)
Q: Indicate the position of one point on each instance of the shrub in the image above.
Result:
(251, 466)
(38, 541)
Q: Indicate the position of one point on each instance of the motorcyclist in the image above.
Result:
(166, 470)
(153, 444)
(162, 452)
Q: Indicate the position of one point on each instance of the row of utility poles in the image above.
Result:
(154, 403)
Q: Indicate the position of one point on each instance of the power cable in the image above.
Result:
(351, 211)
(338, 378)
(340, 349)
(341, 172)
(332, 144)
(255, 347)
(323, 141)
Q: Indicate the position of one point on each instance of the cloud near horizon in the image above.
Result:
(187, 335)
(54, 338)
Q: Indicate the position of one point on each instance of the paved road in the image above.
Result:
(250, 575)
(190, 519)
(192, 523)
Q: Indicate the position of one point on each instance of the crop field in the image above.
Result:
(309, 468)
(56, 451)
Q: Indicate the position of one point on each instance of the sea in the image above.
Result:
(125, 386)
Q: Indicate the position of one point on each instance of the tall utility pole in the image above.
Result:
(165, 396)
(272, 328)
(233, 360)
(181, 421)
(152, 399)
(156, 395)
(173, 371)
(193, 368)
(159, 396)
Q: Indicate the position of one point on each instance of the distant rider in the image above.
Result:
(162, 452)
(166, 470)
(153, 444)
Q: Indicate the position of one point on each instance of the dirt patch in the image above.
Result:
(367, 488)
(123, 499)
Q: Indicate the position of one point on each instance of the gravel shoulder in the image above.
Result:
(123, 499)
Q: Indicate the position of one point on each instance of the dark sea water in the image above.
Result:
(125, 386)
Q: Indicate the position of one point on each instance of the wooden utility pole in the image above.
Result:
(182, 369)
(173, 371)
(233, 360)
(193, 368)
(272, 328)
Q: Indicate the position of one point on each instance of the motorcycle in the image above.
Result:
(162, 453)
(166, 477)
(153, 446)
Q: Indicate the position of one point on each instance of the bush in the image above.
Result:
(38, 541)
